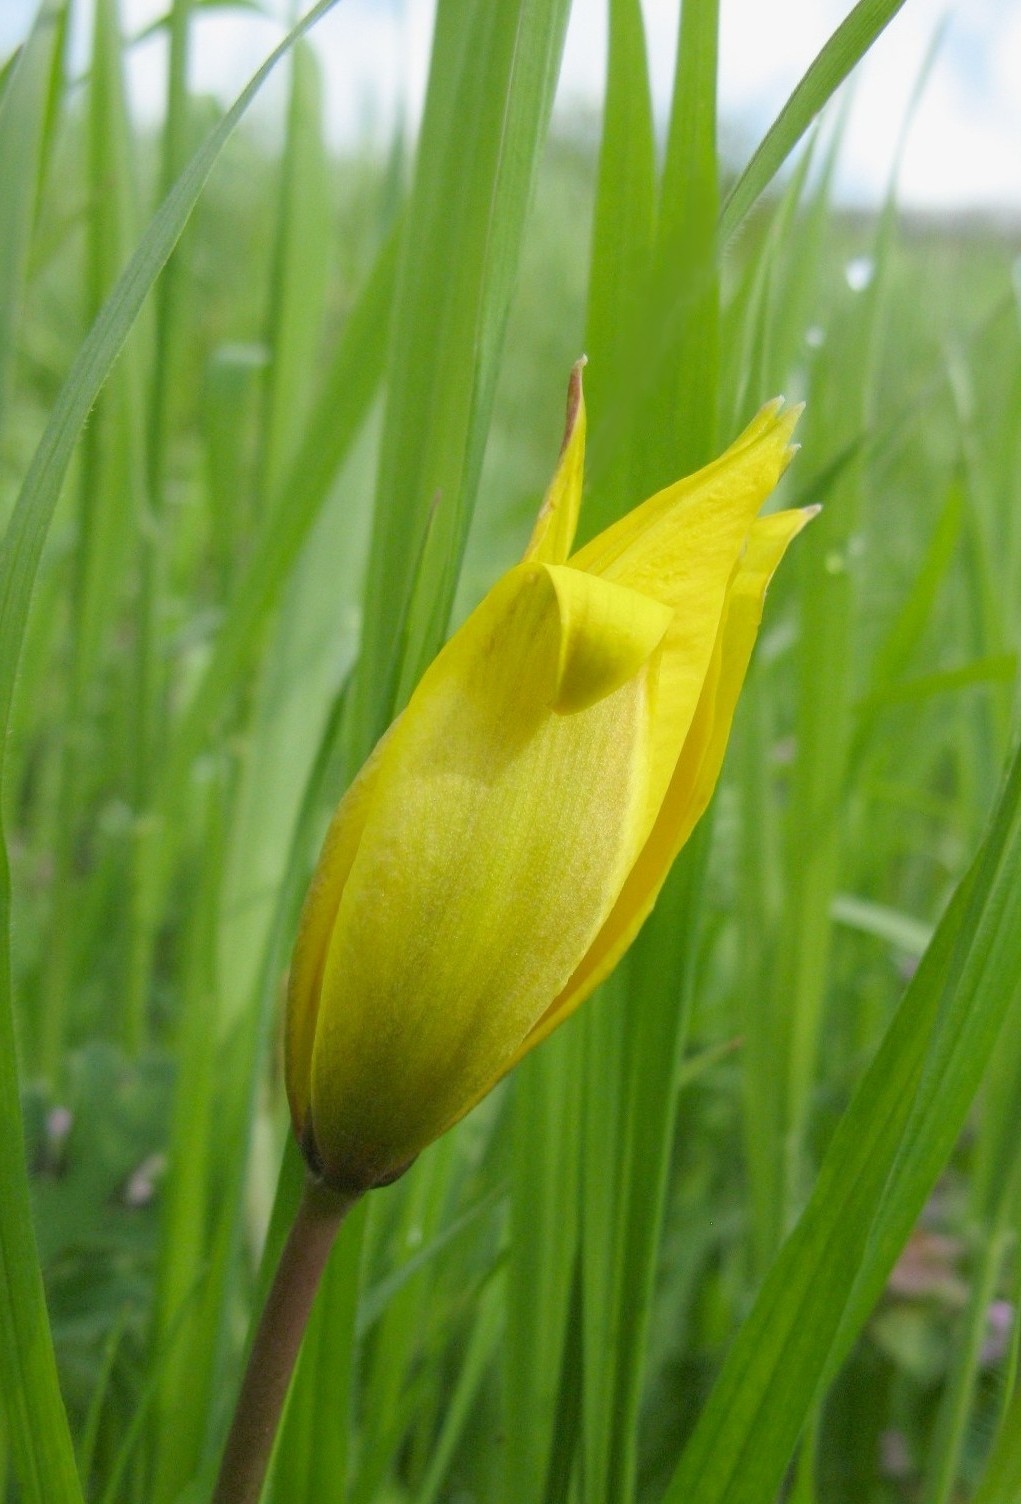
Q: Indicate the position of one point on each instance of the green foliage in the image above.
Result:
(746, 1227)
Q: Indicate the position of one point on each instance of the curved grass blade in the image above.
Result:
(844, 50)
(24, 98)
(884, 1158)
(1001, 1481)
(40, 1441)
(22, 543)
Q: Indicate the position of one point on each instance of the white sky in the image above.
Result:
(965, 144)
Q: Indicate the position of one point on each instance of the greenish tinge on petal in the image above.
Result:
(496, 843)
(508, 837)
(317, 919)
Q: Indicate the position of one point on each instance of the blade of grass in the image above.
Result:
(631, 1069)
(484, 1338)
(841, 400)
(112, 479)
(495, 66)
(541, 1255)
(36, 1429)
(655, 1042)
(350, 385)
(40, 1440)
(685, 398)
(298, 287)
(22, 542)
(887, 1151)
(23, 113)
(177, 1422)
(623, 234)
(841, 53)
(149, 664)
(545, 1212)
(1001, 1480)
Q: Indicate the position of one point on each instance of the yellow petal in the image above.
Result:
(317, 918)
(557, 521)
(680, 547)
(698, 768)
(606, 633)
(494, 847)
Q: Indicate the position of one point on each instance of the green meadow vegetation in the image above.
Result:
(272, 418)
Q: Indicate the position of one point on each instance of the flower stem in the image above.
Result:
(277, 1342)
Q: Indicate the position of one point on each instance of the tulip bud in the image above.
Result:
(508, 836)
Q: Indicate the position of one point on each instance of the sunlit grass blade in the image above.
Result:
(24, 104)
(349, 386)
(39, 1439)
(882, 1162)
(841, 396)
(844, 50)
(177, 1426)
(656, 1039)
(542, 1255)
(1001, 1480)
(301, 264)
(39, 1430)
(36, 1434)
(685, 393)
(548, 1130)
(214, 1364)
(623, 232)
(110, 510)
(22, 543)
(495, 66)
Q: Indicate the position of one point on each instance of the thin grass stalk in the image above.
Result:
(147, 694)
(177, 1420)
(951, 1427)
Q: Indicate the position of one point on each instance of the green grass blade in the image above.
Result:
(623, 236)
(39, 1438)
(541, 1256)
(546, 1130)
(39, 1435)
(656, 1038)
(685, 398)
(844, 50)
(23, 111)
(177, 1422)
(23, 541)
(111, 483)
(495, 66)
(301, 263)
(882, 1163)
(477, 1360)
(340, 410)
(1001, 1479)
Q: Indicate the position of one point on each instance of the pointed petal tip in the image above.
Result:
(803, 516)
(575, 402)
(777, 421)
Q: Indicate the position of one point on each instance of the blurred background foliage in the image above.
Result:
(352, 369)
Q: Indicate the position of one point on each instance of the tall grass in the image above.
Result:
(270, 419)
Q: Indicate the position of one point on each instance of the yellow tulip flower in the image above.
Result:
(508, 836)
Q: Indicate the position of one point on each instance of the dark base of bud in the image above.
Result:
(347, 1185)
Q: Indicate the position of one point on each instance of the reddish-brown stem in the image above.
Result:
(277, 1341)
